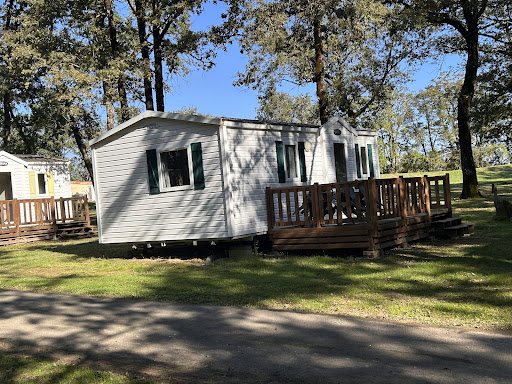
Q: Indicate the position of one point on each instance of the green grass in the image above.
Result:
(465, 282)
(25, 369)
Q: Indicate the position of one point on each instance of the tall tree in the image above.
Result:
(349, 50)
(465, 27)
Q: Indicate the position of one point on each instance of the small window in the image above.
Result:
(41, 183)
(291, 163)
(175, 169)
(364, 161)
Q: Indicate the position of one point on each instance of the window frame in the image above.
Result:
(161, 173)
(296, 159)
(345, 155)
(46, 193)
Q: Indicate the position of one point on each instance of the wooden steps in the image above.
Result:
(75, 230)
(460, 230)
(452, 227)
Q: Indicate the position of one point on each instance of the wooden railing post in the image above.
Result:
(17, 215)
(62, 210)
(53, 210)
(426, 184)
(371, 211)
(447, 194)
(403, 204)
(315, 199)
(270, 208)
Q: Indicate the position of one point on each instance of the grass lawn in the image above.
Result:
(20, 368)
(466, 282)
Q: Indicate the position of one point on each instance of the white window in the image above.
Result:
(42, 188)
(291, 161)
(174, 169)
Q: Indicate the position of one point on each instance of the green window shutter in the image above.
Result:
(370, 160)
(197, 165)
(32, 183)
(154, 184)
(358, 161)
(280, 161)
(302, 161)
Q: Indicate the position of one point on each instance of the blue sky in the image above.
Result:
(212, 92)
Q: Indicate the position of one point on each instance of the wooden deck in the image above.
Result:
(370, 214)
(42, 219)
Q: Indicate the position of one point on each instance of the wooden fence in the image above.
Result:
(361, 201)
(16, 214)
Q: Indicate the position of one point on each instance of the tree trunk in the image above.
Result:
(141, 27)
(114, 44)
(159, 78)
(7, 125)
(319, 79)
(82, 148)
(469, 177)
(109, 106)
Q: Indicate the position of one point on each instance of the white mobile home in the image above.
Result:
(172, 177)
(32, 176)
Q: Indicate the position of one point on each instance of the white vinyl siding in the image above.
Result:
(130, 214)
(253, 166)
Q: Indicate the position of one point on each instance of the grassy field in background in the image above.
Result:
(459, 282)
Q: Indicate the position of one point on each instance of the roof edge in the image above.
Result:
(156, 114)
(14, 158)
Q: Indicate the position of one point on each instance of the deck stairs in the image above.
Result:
(451, 227)
(77, 230)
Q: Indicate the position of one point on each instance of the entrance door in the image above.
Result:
(340, 162)
(5, 186)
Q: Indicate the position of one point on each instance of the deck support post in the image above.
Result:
(62, 210)
(403, 206)
(17, 215)
(270, 208)
(371, 211)
(53, 212)
(86, 206)
(315, 198)
(426, 184)
(447, 194)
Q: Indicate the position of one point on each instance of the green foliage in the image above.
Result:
(280, 106)
(361, 50)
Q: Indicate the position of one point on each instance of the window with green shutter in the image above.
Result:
(153, 179)
(370, 160)
(280, 162)
(302, 161)
(358, 161)
(197, 165)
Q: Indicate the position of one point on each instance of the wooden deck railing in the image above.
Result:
(361, 201)
(30, 212)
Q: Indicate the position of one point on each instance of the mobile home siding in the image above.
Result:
(129, 213)
(253, 163)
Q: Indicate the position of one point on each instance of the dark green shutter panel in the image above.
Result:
(302, 161)
(197, 165)
(280, 162)
(370, 160)
(358, 161)
(154, 185)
